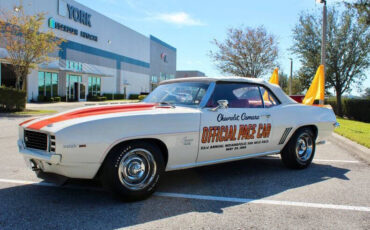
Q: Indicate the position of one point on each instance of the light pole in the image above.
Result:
(323, 38)
(291, 76)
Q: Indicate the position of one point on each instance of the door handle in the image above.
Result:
(266, 115)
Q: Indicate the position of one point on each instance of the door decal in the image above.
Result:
(236, 136)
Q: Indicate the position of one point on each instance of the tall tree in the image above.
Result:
(284, 84)
(347, 57)
(367, 93)
(249, 52)
(363, 10)
(27, 46)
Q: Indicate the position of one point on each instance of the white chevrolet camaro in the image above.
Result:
(183, 123)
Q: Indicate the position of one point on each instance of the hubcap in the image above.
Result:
(304, 147)
(137, 169)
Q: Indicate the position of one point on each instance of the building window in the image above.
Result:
(154, 82)
(94, 86)
(70, 85)
(75, 66)
(48, 84)
(163, 76)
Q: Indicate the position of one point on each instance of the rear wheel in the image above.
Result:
(300, 150)
(131, 171)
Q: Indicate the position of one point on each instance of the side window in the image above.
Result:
(268, 98)
(239, 95)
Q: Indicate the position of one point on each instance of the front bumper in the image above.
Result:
(51, 158)
(45, 162)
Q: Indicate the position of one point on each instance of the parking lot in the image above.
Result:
(257, 193)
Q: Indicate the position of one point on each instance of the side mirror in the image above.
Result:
(222, 104)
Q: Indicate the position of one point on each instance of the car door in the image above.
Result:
(244, 127)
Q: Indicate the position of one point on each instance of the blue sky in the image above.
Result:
(191, 25)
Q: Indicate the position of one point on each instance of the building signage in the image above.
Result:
(74, 13)
(164, 57)
(56, 25)
(59, 26)
(79, 15)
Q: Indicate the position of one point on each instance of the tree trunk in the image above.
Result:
(339, 104)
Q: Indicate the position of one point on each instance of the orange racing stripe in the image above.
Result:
(91, 112)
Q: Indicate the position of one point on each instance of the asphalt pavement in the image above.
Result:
(334, 193)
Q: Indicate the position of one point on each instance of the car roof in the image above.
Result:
(215, 79)
(279, 93)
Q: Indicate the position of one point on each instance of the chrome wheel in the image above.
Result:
(137, 169)
(304, 147)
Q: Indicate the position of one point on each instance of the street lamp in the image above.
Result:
(323, 34)
(291, 76)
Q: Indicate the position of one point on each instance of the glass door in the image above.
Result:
(72, 90)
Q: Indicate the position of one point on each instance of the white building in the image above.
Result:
(100, 55)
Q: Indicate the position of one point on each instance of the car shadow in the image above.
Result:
(89, 207)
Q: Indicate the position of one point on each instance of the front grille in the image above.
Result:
(36, 140)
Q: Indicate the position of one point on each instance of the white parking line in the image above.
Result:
(213, 198)
(263, 201)
(316, 160)
(339, 161)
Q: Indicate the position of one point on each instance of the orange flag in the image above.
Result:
(275, 77)
(317, 88)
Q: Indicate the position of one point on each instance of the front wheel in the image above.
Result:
(300, 150)
(131, 171)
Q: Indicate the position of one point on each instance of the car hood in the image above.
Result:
(86, 114)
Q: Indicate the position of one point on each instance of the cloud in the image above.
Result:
(178, 18)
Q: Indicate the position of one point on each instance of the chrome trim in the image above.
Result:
(208, 95)
(304, 147)
(137, 169)
(203, 163)
(38, 154)
(263, 101)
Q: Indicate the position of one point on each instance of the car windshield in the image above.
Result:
(182, 93)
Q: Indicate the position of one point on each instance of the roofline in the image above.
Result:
(276, 90)
(215, 79)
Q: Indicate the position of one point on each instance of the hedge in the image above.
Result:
(109, 96)
(356, 109)
(133, 96)
(42, 98)
(96, 98)
(142, 97)
(12, 99)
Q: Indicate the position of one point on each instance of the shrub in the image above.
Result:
(96, 98)
(41, 98)
(142, 97)
(12, 99)
(356, 109)
(333, 103)
(109, 96)
(133, 96)
(57, 99)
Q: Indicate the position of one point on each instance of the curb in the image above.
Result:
(358, 151)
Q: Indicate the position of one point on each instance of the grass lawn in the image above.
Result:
(355, 130)
(34, 112)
